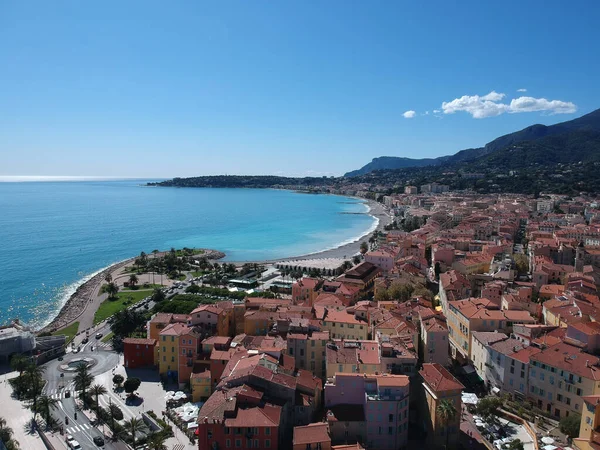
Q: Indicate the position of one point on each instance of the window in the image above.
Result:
(559, 397)
(390, 430)
(228, 443)
(238, 442)
(542, 376)
(390, 417)
(551, 379)
(312, 343)
(568, 400)
(183, 351)
(512, 370)
(267, 443)
(380, 430)
(164, 349)
(226, 430)
(268, 431)
(209, 434)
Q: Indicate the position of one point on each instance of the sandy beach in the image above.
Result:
(346, 251)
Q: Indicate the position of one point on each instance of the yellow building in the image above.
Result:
(308, 351)
(168, 343)
(158, 323)
(440, 386)
(478, 314)
(344, 325)
(201, 386)
(559, 376)
(589, 430)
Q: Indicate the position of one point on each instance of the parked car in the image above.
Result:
(99, 335)
(98, 441)
(74, 445)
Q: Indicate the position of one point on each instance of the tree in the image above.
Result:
(45, 405)
(83, 380)
(569, 425)
(515, 445)
(133, 280)
(158, 295)
(521, 263)
(6, 436)
(364, 247)
(134, 426)
(33, 374)
(446, 412)
(19, 363)
(382, 295)
(156, 442)
(131, 385)
(488, 407)
(115, 412)
(97, 390)
(112, 290)
(118, 379)
(356, 260)
(108, 277)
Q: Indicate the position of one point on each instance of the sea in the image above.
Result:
(55, 235)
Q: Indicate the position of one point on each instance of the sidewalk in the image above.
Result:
(18, 417)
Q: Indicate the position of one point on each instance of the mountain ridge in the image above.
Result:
(588, 122)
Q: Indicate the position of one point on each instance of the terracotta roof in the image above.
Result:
(265, 416)
(489, 337)
(174, 329)
(571, 359)
(524, 354)
(439, 379)
(507, 346)
(313, 433)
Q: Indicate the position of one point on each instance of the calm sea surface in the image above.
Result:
(54, 235)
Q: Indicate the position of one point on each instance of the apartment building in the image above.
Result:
(381, 401)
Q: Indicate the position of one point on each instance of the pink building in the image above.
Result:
(382, 258)
(382, 405)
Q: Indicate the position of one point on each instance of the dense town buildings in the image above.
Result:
(501, 287)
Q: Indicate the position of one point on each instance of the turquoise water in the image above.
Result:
(53, 235)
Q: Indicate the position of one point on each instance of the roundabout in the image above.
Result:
(73, 364)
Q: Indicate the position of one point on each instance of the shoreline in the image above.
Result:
(343, 251)
(86, 294)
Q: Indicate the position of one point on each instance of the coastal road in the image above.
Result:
(57, 387)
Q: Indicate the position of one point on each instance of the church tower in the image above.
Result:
(579, 257)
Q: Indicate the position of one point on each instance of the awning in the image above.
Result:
(495, 390)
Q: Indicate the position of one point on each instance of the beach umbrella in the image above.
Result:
(547, 440)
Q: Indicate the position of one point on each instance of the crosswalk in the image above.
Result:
(77, 428)
(179, 447)
(59, 394)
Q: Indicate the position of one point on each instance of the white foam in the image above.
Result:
(68, 291)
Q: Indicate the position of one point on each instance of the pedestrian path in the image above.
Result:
(106, 400)
(77, 428)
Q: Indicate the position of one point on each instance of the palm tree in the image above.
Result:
(45, 405)
(97, 390)
(33, 374)
(108, 277)
(19, 363)
(112, 289)
(134, 426)
(83, 380)
(446, 412)
(156, 442)
(133, 279)
(6, 435)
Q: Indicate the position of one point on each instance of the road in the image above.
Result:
(57, 387)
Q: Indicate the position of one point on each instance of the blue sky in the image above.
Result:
(161, 89)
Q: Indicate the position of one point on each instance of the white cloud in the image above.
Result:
(530, 104)
(522, 90)
(478, 107)
(489, 105)
(426, 113)
(436, 111)
(409, 114)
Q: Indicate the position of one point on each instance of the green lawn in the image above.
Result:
(198, 273)
(108, 337)
(109, 307)
(69, 331)
(142, 287)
